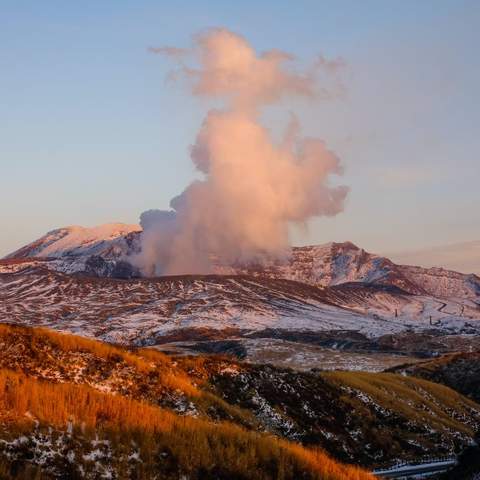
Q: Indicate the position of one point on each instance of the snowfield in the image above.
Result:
(142, 310)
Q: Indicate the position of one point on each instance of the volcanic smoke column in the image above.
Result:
(253, 187)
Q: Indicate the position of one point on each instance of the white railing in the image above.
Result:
(412, 464)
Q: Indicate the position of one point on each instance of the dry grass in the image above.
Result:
(68, 343)
(145, 361)
(416, 399)
(197, 445)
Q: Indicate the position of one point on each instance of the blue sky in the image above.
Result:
(91, 132)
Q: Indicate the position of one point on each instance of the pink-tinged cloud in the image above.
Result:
(253, 188)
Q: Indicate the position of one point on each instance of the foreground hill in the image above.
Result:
(460, 371)
(60, 427)
(468, 465)
(142, 410)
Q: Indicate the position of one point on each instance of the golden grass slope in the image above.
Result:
(142, 402)
(198, 448)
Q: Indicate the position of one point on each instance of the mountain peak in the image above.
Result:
(100, 250)
(74, 240)
(347, 245)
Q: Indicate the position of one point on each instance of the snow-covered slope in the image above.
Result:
(96, 250)
(110, 240)
(143, 310)
(104, 251)
(332, 264)
(338, 263)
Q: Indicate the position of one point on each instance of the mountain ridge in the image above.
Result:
(107, 250)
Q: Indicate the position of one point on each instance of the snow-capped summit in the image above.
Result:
(104, 251)
(98, 251)
(339, 263)
(110, 239)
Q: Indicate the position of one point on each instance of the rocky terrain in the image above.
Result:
(460, 371)
(353, 417)
(468, 465)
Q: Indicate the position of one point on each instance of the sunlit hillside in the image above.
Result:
(59, 428)
(73, 428)
(73, 404)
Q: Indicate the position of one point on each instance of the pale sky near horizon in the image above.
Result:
(92, 133)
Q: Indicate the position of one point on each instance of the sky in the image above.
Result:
(92, 131)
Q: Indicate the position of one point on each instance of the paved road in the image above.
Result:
(407, 470)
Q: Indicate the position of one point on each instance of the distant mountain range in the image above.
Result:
(104, 251)
(80, 279)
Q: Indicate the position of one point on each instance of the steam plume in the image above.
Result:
(253, 187)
